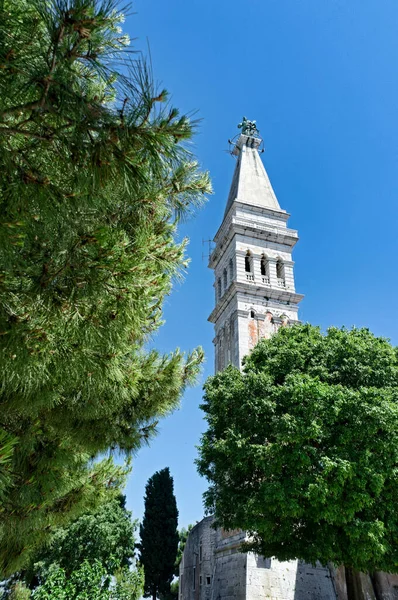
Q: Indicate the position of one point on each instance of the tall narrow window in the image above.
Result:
(221, 350)
(232, 335)
(280, 273)
(248, 262)
(225, 277)
(227, 344)
(264, 266)
(249, 266)
(231, 269)
(194, 579)
(219, 287)
(200, 551)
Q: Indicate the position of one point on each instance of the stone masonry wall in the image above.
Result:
(212, 568)
(292, 580)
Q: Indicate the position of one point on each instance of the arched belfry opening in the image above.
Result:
(248, 262)
(249, 266)
(264, 268)
(280, 273)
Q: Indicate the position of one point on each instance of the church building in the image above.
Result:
(254, 296)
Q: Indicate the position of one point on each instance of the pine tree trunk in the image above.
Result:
(154, 594)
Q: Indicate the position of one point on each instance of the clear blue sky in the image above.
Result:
(321, 79)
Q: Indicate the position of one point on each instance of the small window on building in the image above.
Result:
(200, 579)
(252, 314)
(225, 279)
(219, 287)
(248, 262)
(194, 579)
(200, 552)
(231, 269)
(208, 580)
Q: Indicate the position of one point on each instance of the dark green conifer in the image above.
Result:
(159, 535)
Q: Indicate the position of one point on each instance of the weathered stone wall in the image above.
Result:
(385, 585)
(291, 580)
(229, 581)
(197, 564)
(212, 568)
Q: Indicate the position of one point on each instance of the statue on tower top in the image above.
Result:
(248, 127)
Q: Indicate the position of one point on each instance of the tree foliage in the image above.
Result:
(159, 535)
(90, 580)
(106, 535)
(96, 550)
(302, 448)
(95, 174)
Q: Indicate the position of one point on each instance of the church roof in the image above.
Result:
(250, 183)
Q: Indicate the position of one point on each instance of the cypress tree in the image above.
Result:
(94, 176)
(159, 535)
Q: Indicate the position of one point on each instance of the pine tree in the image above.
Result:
(159, 535)
(94, 178)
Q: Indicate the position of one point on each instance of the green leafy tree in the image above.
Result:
(302, 448)
(159, 535)
(95, 175)
(106, 535)
(104, 540)
(89, 581)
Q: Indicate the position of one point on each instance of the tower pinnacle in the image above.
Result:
(250, 183)
(248, 128)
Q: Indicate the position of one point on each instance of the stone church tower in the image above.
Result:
(255, 294)
(252, 259)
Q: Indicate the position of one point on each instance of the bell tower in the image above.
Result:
(252, 258)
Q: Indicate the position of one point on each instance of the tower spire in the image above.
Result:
(250, 183)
